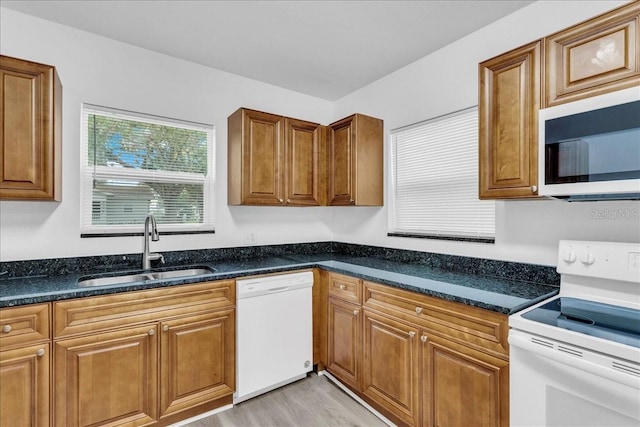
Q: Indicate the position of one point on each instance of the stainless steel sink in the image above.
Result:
(146, 276)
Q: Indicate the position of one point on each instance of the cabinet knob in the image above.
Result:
(355, 312)
(412, 334)
(165, 328)
(152, 332)
(423, 338)
(418, 310)
(6, 329)
(353, 202)
(534, 188)
(40, 352)
(343, 287)
(288, 200)
(281, 200)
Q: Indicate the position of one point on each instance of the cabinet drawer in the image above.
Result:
(89, 315)
(24, 325)
(345, 287)
(471, 326)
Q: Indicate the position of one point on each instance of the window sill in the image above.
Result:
(490, 240)
(129, 234)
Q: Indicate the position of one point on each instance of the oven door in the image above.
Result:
(557, 384)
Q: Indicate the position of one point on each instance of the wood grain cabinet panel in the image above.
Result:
(345, 287)
(274, 160)
(344, 341)
(598, 56)
(108, 378)
(24, 386)
(24, 325)
(462, 387)
(30, 131)
(391, 376)
(197, 360)
(355, 146)
(508, 114)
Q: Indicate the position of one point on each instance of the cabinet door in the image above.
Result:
(29, 131)
(303, 163)
(24, 386)
(341, 162)
(107, 378)
(509, 104)
(344, 346)
(260, 146)
(197, 360)
(463, 387)
(595, 57)
(391, 376)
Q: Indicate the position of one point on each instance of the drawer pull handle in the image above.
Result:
(418, 310)
(6, 329)
(355, 312)
(412, 334)
(343, 287)
(152, 332)
(40, 352)
(423, 338)
(165, 328)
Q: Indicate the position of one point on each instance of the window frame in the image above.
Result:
(393, 229)
(90, 172)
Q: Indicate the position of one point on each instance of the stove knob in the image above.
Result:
(569, 257)
(588, 258)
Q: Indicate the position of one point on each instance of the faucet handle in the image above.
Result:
(156, 256)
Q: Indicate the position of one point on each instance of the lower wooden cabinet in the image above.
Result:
(424, 361)
(391, 375)
(108, 378)
(197, 363)
(461, 386)
(144, 358)
(344, 346)
(24, 386)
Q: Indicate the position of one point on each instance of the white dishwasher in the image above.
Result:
(274, 332)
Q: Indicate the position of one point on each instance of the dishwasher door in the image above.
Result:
(274, 332)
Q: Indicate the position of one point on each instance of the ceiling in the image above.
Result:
(326, 49)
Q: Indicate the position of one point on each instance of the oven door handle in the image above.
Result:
(619, 371)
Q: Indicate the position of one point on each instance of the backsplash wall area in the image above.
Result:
(105, 72)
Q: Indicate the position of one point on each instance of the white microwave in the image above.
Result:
(590, 149)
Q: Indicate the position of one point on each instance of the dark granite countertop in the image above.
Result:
(503, 294)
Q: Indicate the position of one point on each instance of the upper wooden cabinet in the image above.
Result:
(280, 161)
(30, 131)
(594, 57)
(356, 161)
(508, 114)
(273, 160)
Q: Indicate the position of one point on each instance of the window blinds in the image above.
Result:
(135, 164)
(435, 179)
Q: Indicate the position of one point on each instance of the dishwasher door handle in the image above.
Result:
(280, 289)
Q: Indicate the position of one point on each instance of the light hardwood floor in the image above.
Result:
(313, 401)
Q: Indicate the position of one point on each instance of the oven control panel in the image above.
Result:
(605, 260)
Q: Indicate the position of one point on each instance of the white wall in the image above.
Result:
(447, 81)
(105, 72)
(100, 71)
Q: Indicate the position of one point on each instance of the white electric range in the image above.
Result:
(575, 358)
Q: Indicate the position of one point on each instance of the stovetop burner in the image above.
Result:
(610, 322)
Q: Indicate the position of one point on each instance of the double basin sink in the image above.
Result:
(145, 276)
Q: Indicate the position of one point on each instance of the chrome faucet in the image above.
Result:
(153, 232)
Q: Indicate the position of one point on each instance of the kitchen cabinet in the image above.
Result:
(344, 323)
(424, 361)
(355, 146)
(148, 357)
(597, 56)
(25, 358)
(31, 131)
(274, 160)
(508, 115)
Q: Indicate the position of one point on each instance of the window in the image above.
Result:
(435, 180)
(134, 164)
